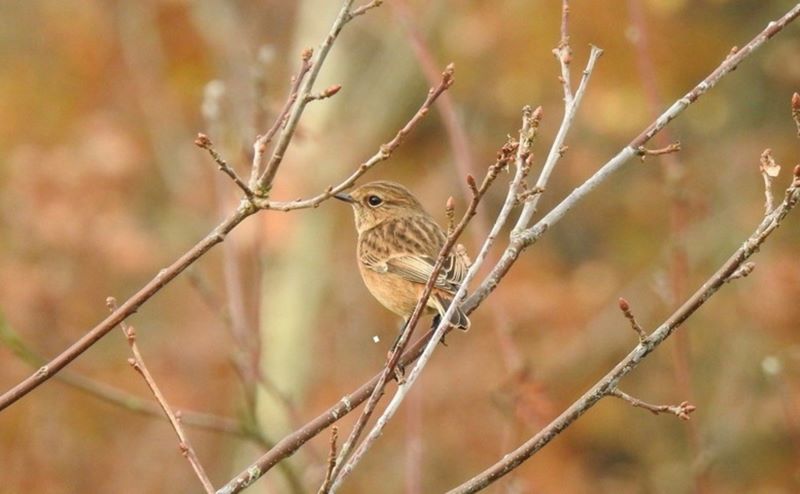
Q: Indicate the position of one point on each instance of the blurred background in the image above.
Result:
(101, 187)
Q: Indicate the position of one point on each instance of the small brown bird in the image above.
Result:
(398, 243)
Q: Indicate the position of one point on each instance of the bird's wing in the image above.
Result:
(418, 269)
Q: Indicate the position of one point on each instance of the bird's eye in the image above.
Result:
(374, 201)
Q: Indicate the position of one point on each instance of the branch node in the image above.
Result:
(741, 272)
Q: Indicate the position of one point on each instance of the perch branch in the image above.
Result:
(527, 134)
(204, 142)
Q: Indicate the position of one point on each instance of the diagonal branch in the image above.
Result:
(608, 383)
(168, 274)
(137, 362)
(347, 403)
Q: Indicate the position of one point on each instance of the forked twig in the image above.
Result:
(137, 362)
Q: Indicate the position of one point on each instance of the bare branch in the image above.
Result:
(331, 461)
(137, 362)
(260, 146)
(609, 382)
(383, 153)
(204, 142)
(681, 411)
(557, 148)
(345, 15)
(522, 237)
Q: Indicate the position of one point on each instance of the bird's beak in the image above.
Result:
(344, 197)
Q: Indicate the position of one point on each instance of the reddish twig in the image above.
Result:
(204, 142)
(137, 362)
(625, 307)
(326, 483)
(644, 152)
(681, 411)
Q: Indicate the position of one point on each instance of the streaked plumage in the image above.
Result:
(398, 242)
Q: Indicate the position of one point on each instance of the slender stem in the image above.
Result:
(137, 362)
(608, 383)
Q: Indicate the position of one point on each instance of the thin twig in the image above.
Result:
(604, 386)
(625, 307)
(364, 9)
(262, 141)
(331, 461)
(682, 411)
(137, 362)
(264, 182)
(557, 148)
(384, 152)
(204, 142)
(644, 152)
(526, 137)
(796, 111)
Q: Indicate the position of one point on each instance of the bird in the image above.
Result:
(398, 244)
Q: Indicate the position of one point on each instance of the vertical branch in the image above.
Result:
(571, 103)
(265, 180)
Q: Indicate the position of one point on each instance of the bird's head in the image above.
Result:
(376, 202)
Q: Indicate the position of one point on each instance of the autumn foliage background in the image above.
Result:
(101, 186)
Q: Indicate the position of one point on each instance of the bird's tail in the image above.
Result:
(459, 318)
